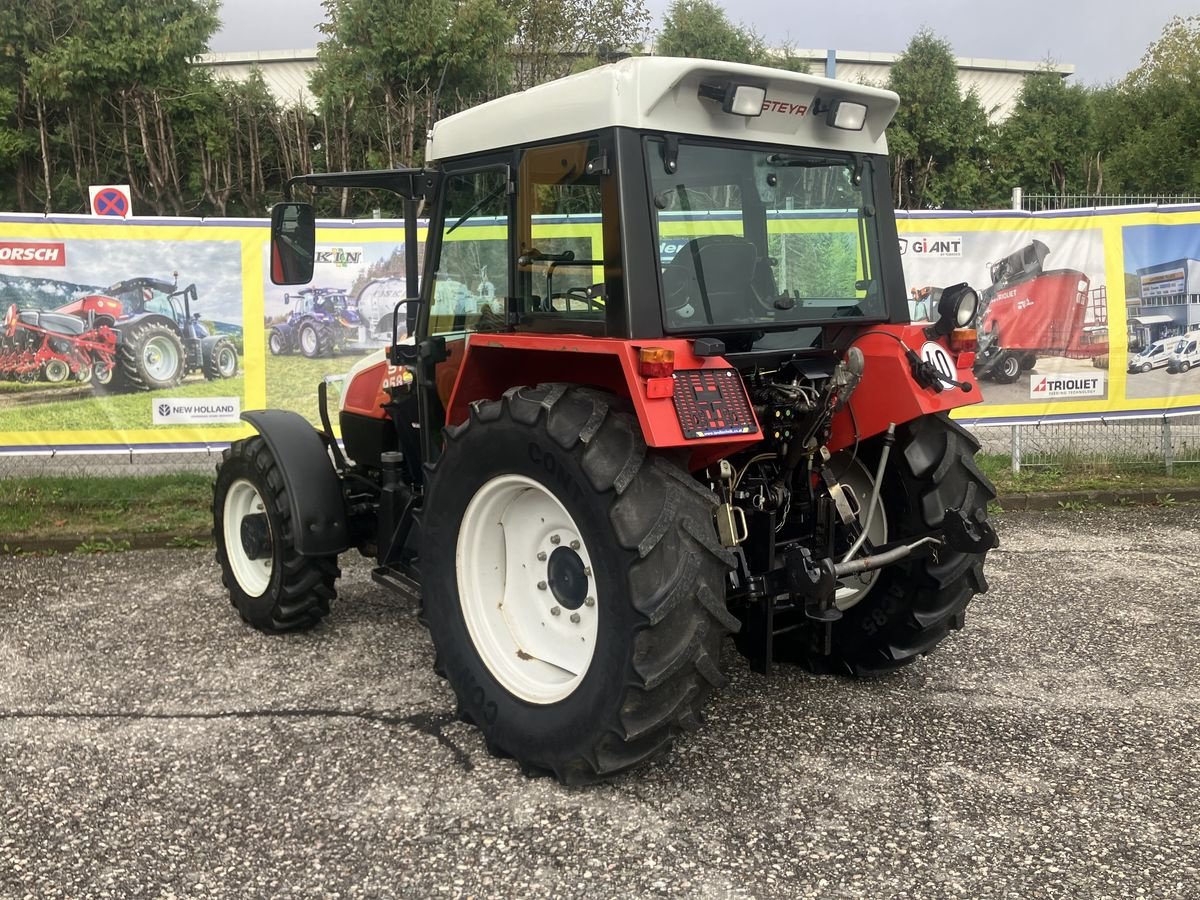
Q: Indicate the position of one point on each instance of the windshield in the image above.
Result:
(763, 239)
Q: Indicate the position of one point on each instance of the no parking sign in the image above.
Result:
(111, 200)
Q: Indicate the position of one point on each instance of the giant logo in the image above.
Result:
(938, 246)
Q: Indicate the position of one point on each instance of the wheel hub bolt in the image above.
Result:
(554, 539)
(574, 545)
(587, 570)
(541, 585)
(575, 618)
(541, 556)
(555, 611)
(590, 601)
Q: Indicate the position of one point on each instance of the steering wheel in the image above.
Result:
(591, 299)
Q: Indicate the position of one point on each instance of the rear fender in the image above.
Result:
(493, 363)
(313, 487)
(888, 393)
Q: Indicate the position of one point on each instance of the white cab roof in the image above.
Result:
(659, 93)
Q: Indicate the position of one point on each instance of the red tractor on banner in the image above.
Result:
(1029, 311)
(594, 474)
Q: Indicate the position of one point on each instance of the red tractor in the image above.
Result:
(596, 472)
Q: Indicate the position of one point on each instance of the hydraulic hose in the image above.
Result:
(889, 439)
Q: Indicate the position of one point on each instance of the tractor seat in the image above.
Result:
(726, 268)
(59, 323)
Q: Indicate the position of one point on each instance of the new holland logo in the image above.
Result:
(198, 411)
(1048, 387)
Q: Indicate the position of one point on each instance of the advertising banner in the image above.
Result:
(159, 333)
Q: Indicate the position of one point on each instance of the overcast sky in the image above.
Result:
(1103, 39)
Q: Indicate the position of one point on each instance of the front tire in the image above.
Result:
(1007, 369)
(220, 359)
(272, 587)
(914, 604)
(278, 342)
(151, 357)
(556, 461)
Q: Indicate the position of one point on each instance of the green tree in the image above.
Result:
(388, 69)
(939, 140)
(700, 29)
(1149, 122)
(1046, 145)
(556, 37)
(89, 91)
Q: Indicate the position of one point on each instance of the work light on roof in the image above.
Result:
(847, 116)
(736, 99)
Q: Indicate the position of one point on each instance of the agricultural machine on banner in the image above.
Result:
(1030, 311)
(322, 323)
(615, 462)
(55, 347)
(138, 334)
(160, 338)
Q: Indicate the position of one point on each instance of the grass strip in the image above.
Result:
(117, 512)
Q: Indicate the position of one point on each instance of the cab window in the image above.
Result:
(470, 286)
(566, 203)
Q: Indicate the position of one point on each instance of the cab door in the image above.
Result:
(467, 286)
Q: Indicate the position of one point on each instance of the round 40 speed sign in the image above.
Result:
(935, 354)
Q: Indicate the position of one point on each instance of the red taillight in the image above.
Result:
(656, 362)
(964, 340)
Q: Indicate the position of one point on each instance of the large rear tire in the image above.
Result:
(913, 605)
(150, 357)
(635, 536)
(315, 340)
(272, 587)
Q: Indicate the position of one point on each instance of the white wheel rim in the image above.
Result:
(57, 370)
(226, 362)
(254, 575)
(510, 533)
(308, 338)
(102, 374)
(161, 358)
(853, 588)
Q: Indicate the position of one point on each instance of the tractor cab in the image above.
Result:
(655, 382)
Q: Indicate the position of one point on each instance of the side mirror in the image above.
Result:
(293, 243)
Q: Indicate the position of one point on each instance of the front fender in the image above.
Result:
(313, 486)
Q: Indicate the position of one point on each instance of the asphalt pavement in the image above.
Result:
(151, 745)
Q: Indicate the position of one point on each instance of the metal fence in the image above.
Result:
(1053, 202)
(1159, 443)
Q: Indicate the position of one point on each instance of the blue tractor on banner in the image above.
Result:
(322, 322)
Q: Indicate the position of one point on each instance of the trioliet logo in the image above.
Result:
(26, 253)
(1046, 387)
